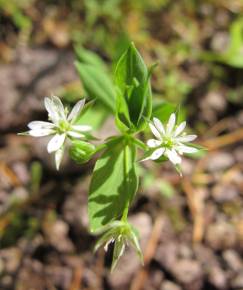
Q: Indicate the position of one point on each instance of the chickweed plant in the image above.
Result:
(114, 181)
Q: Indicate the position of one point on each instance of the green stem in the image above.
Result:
(100, 147)
(106, 144)
(139, 143)
(125, 212)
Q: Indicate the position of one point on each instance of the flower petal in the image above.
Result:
(82, 128)
(56, 143)
(153, 143)
(58, 157)
(40, 125)
(157, 153)
(59, 107)
(186, 138)
(159, 126)
(171, 123)
(155, 131)
(75, 134)
(173, 156)
(51, 109)
(180, 128)
(41, 132)
(76, 110)
(186, 149)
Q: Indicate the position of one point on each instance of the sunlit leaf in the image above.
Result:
(113, 184)
(133, 86)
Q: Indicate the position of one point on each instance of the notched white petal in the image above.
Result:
(40, 125)
(75, 134)
(155, 131)
(186, 138)
(159, 126)
(171, 123)
(76, 110)
(82, 128)
(56, 142)
(157, 154)
(180, 129)
(187, 149)
(51, 109)
(41, 132)
(173, 156)
(153, 143)
(59, 107)
(58, 157)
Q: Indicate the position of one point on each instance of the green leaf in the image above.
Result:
(97, 84)
(122, 112)
(81, 151)
(87, 57)
(163, 110)
(113, 184)
(133, 90)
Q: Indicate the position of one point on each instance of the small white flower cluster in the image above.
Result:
(170, 140)
(62, 126)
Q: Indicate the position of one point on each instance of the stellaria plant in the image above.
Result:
(114, 181)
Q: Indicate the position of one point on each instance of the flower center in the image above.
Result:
(168, 142)
(63, 126)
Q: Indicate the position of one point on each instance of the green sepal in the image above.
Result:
(178, 169)
(121, 234)
(26, 133)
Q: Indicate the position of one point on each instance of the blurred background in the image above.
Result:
(191, 228)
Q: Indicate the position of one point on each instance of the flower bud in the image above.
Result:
(81, 151)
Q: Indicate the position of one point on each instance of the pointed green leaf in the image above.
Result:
(88, 57)
(97, 84)
(133, 85)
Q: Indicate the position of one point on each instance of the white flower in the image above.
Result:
(170, 140)
(62, 126)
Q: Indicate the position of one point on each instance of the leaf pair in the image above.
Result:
(133, 96)
(131, 101)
